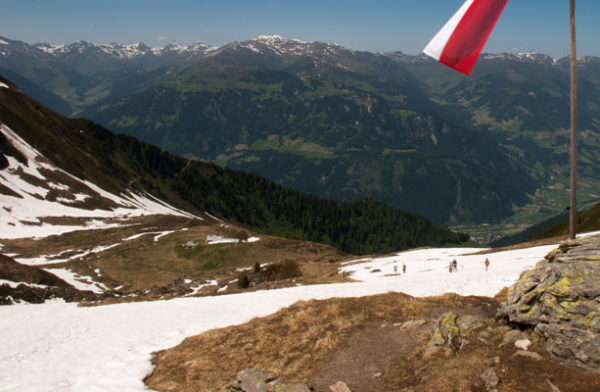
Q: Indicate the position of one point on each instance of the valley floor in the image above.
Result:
(62, 347)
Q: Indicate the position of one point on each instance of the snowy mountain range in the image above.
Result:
(318, 117)
(274, 44)
(262, 44)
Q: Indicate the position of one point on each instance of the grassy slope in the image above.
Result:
(586, 221)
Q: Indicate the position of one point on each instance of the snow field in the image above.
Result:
(19, 216)
(426, 266)
(61, 347)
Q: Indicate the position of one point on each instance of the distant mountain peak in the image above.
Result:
(277, 39)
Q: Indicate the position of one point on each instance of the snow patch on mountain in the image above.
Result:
(122, 51)
(83, 283)
(29, 208)
(281, 46)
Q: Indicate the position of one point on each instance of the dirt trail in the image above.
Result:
(361, 360)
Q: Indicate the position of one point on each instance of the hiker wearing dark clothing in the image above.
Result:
(403, 268)
(454, 265)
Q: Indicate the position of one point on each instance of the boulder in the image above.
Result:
(489, 378)
(339, 386)
(254, 380)
(528, 354)
(258, 380)
(560, 299)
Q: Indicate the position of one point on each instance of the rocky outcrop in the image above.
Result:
(560, 299)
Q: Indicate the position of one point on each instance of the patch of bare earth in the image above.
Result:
(368, 344)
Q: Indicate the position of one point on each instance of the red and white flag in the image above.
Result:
(460, 41)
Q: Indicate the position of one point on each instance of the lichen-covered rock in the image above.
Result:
(444, 332)
(253, 380)
(560, 298)
(259, 380)
(447, 331)
(468, 323)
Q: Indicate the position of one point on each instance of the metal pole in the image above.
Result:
(573, 208)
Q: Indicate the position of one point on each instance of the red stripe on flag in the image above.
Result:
(469, 37)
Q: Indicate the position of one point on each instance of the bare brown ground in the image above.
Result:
(361, 341)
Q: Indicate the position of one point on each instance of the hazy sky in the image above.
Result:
(375, 25)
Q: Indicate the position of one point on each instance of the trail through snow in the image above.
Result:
(61, 347)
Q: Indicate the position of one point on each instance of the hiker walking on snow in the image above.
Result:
(487, 263)
(450, 267)
(403, 268)
(454, 265)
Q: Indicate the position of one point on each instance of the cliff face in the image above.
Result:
(560, 299)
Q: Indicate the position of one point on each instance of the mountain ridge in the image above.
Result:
(273, 41)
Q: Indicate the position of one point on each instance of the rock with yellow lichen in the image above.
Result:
(560, 299)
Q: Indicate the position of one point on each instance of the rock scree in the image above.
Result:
(560, 299)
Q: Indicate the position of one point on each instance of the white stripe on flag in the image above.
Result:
(436, 46)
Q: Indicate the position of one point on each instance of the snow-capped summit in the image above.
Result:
(528, 57)
(536, 57)
(277, 39)
(121, 51)
(281, 46)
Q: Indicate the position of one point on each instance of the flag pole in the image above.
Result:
(573, 207)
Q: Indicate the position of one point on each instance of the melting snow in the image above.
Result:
(79, 282)
(3, 85)
(54, 259)
(15, 284)
(196, 290)
(162, 234)
(216, 239)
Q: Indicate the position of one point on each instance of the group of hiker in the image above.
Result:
(403, 268)
(453, 265)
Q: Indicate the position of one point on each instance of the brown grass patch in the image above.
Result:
(360, 341)
(288, 343)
